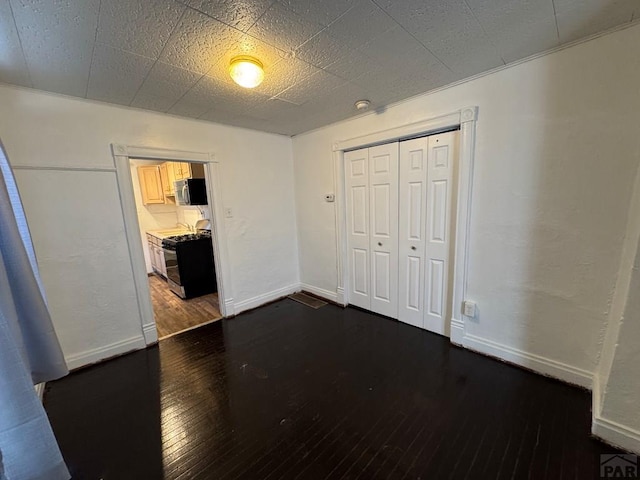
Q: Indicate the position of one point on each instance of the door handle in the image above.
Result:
(413, 248)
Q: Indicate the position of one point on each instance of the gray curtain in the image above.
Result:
(29, 349)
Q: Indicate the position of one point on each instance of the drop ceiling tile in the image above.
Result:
(317, 85)
(164, 86)
(211, 94)
(284, 29)
(322, 50)
(578, 19)
(450, 31)
(240, 14)
(361, 24)
(13, 66)
(197, 42)
(273, 109)
(284, 74)
(243, 121)
(322, 12)
(518, 28)
(353, 65)
(138, 26)
(58, 39)
(116, 75)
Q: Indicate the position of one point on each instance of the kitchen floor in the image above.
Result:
(289, 392)
(174, 314)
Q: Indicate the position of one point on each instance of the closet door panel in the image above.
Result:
(358, 231)
(412, 228)
(383, 190)
(442, 151)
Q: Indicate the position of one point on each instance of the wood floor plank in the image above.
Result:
(286, 392)
(174, 314)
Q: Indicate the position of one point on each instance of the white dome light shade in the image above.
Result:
(246, 71)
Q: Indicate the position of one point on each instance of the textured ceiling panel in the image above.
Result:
(116, 75)
(58, 39)
(164, 86)
(314, 86)
(319, 56)
(138, 26)
(284, 29)
(197, 42)
(450, 31)
(13, 67)
(517, 28)
(580, 18)
(240, 14)
(322, 12)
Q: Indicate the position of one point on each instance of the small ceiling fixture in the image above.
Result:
(246, 71)
(362, 104)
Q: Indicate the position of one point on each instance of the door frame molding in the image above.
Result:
(122, 154)
(465, 119)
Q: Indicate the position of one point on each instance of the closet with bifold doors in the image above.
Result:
(399, 206)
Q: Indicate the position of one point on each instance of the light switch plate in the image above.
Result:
(469, 309)
(228, 212)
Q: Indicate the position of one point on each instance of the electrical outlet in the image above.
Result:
(228, 212)
(469, 309)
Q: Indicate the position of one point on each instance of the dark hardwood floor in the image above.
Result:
(173, 314)
(287, 391)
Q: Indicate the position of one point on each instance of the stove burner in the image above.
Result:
(189, 237)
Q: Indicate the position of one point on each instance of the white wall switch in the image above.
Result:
(228, 212)
(329, 197)
(469, 309)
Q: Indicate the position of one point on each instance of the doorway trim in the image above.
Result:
(465, 119)
(122, 154)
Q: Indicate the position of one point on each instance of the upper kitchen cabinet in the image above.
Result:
(188, 170)
(150, 185)
(167, 177)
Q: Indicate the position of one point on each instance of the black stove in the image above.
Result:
(171, 242)
(191, 270)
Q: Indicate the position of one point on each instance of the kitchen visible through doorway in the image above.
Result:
(175, 221)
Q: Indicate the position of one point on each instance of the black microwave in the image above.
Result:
(191, 191)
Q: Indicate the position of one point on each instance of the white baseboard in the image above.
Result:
(457, 332)
(40, 390)
(546, 366)
(265, 298)
(320, 292)
(229, 307)
(102, 353)
(340, 296)
(616, 434)
(150, 333)
(609, 431)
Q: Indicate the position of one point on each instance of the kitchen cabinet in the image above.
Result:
(156, 254)
(172, 171)
(150, 184)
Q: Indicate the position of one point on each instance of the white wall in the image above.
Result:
(77, 223)
(556, 155)
(150, 217)
(616, 382)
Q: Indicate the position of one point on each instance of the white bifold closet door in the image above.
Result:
(426, 194)
(371, 176)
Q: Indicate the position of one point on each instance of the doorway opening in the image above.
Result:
(175, 218)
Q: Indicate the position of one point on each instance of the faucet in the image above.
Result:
(187, 226)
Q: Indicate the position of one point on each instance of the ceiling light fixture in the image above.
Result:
(362, 104)
(246, 71)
